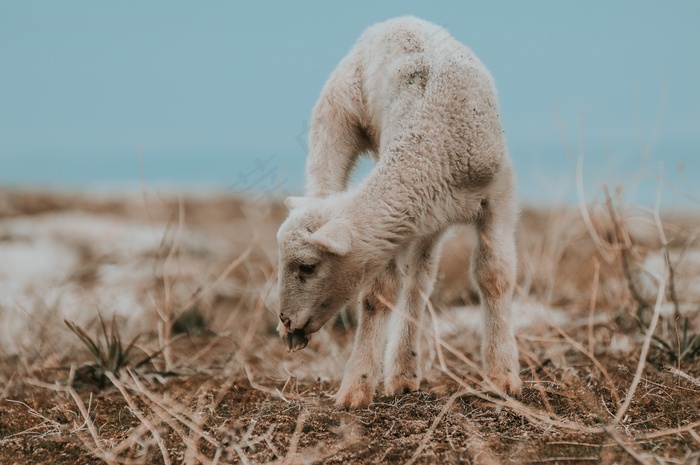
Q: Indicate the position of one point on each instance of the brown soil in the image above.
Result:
(225, 390)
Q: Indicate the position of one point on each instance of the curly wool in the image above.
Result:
(425, 107)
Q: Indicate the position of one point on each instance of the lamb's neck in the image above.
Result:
(384, 220)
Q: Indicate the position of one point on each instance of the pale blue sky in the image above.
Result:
(207, 88)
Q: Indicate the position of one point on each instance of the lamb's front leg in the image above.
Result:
(402, 372)
(363, 369)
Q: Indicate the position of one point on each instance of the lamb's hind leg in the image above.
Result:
(363, 369)
(402, 360)
(493, 269)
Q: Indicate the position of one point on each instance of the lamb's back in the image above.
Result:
(428, 95)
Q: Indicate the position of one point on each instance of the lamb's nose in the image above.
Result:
(285, 321)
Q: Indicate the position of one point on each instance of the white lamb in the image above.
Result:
(426, 109)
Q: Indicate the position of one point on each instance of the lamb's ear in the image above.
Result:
(334, 237)
(296, 202)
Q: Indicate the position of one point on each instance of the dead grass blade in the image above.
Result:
(592, 358)
(640, 457)
(669, 432)
(591, 308)
(135, 410)
(505, 400)
(428, 434)
(98, 448)
(604, 252)
(684, 375)
(645, 345)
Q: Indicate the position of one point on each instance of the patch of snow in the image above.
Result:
(524, 315)
(31, 265)
(686, 276)
(42, 256)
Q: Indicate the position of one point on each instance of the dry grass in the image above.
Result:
(608, 339)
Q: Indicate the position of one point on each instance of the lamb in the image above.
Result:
(425, 107)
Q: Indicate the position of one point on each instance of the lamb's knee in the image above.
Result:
(379, 300)
(383, 292)
(494, 278)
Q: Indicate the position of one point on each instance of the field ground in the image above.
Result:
(208, 381)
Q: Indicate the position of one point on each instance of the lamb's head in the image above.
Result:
(318, 271)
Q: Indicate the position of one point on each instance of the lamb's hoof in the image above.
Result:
(355, 396)
(401, 385)
(294, 341)
(499, 384)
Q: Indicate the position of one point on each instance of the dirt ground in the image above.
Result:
(191, 282)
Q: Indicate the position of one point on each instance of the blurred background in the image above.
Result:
(217, 96)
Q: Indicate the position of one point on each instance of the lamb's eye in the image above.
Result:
(306, 269)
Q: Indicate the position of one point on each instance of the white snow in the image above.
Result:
(42, 257)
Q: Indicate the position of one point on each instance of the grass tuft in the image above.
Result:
(685, 348)
(190, 321)
(110, 355)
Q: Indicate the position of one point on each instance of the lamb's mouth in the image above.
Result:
(296, 340)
